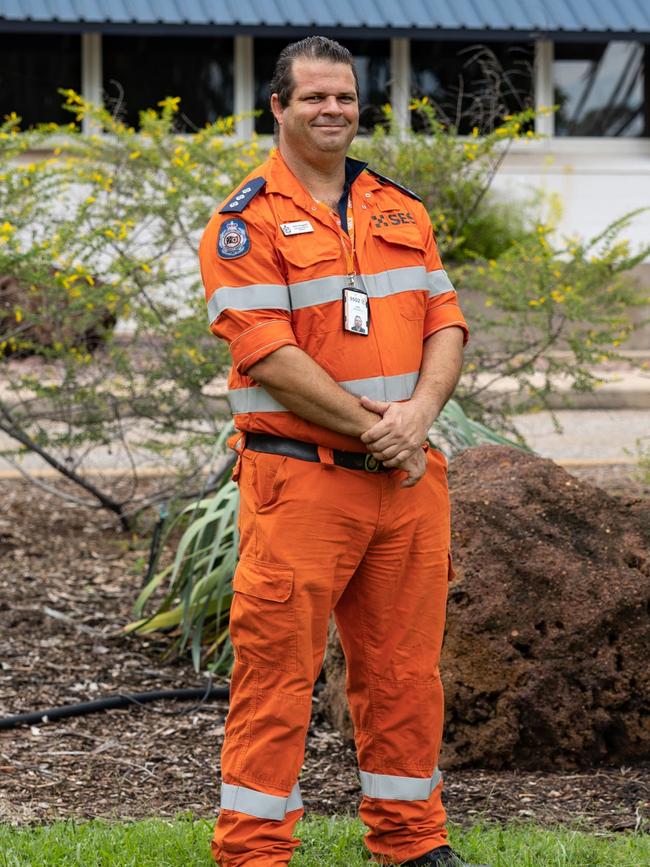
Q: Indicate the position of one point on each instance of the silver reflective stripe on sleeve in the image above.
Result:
(393, 788)
(388, 388)
(271, 296)
(259, 804)
(439, 282)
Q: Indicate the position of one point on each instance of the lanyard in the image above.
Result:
(348, 249)
(346, 246)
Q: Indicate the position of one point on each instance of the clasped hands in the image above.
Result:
(397, 439)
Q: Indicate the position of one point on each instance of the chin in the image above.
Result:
(334, 142)
(333, 146)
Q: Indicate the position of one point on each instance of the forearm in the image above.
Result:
(404, 426)
(302, 386)
(442, 362)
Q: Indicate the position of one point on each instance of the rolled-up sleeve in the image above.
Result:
(443, 309)
(247, 296)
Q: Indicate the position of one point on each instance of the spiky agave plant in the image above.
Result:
(196, 606)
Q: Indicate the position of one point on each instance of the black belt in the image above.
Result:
(273, 445)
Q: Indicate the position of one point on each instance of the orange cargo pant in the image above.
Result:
(317, 538)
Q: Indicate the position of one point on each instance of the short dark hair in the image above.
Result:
(313, 48)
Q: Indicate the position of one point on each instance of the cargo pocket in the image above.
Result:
(262, 615)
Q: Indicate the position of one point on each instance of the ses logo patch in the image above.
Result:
(233, 239)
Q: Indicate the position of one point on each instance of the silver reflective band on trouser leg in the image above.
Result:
(259, 804)
(392, 788)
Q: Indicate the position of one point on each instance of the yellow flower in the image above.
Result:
(170, 102)
(134, 155)
(18, 314)
(90, 200)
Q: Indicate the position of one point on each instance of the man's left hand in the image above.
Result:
(402, 429)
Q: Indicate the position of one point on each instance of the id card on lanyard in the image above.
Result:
(356, 305)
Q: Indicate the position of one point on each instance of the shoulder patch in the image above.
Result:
(384, 180)
(243, 197)
(233, 240)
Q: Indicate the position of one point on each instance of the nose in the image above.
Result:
(331, 106)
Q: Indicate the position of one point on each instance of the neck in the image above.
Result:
(323, 180)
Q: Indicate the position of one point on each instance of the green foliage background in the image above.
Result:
(104, 227)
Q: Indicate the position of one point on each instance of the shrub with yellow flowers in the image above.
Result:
(102, 229)
(526, 292)
(99, 280)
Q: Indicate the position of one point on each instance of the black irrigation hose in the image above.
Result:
(112, 701)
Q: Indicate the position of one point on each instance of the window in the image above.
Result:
(472, 85)
(32, 68)
(139, 71)
(372, 59)
(600, 89)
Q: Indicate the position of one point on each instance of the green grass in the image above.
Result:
(326, 843)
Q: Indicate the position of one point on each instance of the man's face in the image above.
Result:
(323, 112)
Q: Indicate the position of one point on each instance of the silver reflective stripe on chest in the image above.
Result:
(322, 290)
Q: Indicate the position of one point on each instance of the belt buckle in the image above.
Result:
(371, 464)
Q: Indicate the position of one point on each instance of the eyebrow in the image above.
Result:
(322, 93)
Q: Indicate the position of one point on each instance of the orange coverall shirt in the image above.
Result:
(272, 289)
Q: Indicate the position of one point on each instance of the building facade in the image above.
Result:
(473, 62)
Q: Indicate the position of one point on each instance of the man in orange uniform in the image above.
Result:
(346, 341)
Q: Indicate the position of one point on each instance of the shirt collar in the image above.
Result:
(280, 178)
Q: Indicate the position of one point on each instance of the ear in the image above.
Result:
(276, 108)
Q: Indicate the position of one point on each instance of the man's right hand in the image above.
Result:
(415, 466)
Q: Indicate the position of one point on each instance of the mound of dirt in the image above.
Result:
(545, 661)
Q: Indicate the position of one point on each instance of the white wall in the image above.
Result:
(597, 181)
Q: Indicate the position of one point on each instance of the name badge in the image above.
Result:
(356, 311)
(297, 228)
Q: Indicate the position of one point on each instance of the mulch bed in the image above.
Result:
(68, 578)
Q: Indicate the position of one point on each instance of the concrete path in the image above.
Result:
(587, 434)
